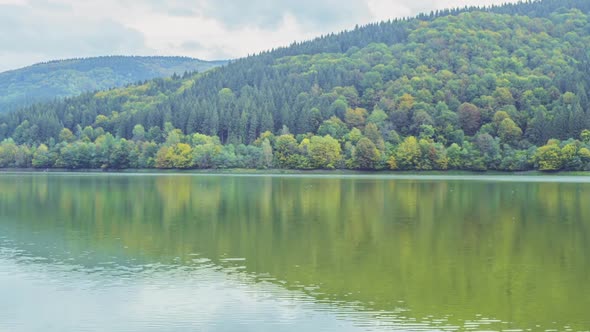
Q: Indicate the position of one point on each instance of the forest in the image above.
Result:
(67, 78)
(500, 88)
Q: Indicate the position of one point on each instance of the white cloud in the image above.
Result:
(41, 30)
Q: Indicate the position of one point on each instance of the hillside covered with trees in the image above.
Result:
(499, 88)
(68, 78)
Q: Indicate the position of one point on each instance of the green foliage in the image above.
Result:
(42, 158)
(473, 89)
(333, 127)
(470, 118)
(408, 154)
(287, 152)
(373, 134)
(324, 152)
(354, 135)
(366, 155)
(266, 154)
(549, 157)
(455, 156)
(356, 118)
(179, 156)
(58, 79)
(509, 131)
(138, 133)
(66, 136)
(392, 163)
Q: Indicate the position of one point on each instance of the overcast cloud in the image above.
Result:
(40, 30)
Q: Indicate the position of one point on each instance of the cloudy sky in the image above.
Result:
(39, 30)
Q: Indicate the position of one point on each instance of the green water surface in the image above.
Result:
(96, 252)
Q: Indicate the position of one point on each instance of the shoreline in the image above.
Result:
(262, 172)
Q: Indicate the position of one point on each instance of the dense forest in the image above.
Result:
(67, 78)
(498, 88)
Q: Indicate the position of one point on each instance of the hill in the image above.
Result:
(66, 78)
(500, 88)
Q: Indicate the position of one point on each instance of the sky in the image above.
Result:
(33, 31)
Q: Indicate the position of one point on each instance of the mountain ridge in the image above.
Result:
(458, 89)
(49, 80)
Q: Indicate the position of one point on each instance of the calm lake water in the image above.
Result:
(97, 252)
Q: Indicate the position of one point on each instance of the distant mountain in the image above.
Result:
(58, 79)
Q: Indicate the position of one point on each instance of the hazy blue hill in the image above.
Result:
(56, 79)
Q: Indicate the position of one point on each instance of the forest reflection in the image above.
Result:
(511, 251)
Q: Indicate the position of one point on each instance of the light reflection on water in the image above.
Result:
(50, 295)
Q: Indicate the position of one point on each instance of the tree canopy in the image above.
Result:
(498, 88)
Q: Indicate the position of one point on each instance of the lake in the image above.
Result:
(178, 252)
